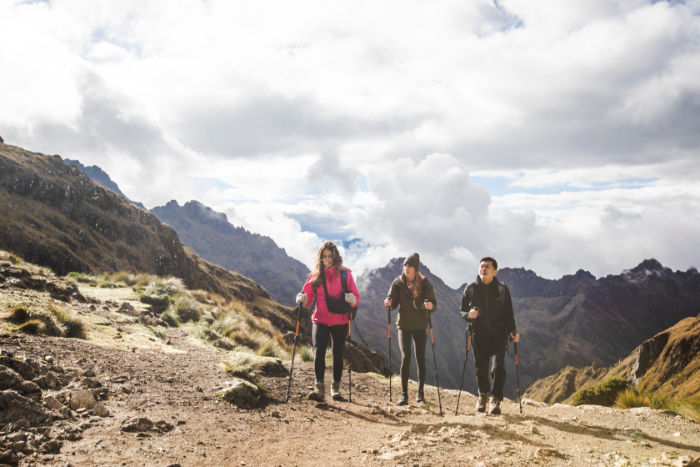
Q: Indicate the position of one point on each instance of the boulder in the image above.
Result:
(14, 407)
(77, 399)
(24, 369)
(9, 379)
(100, 410)
(90, 383)
(128, 308)
(136, 425)
(240, 393)
(8, 458)
(52, 447)
(51, 403)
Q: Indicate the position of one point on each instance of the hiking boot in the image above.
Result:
(481, 403)
(335, 392)
(404, 399)
(420, 396)
(495, 408)
(318, 394)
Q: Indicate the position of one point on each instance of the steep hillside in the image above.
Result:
(55, 216)
(211, 236)
(668, 364)
(100, 176)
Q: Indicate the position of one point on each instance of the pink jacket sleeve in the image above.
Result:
(308, 289)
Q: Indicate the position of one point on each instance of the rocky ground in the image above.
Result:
(108, 402)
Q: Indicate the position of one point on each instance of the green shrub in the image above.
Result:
(306, 353)
(170, 318)
(74, 327)
(31, 327)
(82, 277)
(604, 394)
(268, 349)
(106, 285)
(170, 286)
(13, 259)
(125, 277)
(187, 309)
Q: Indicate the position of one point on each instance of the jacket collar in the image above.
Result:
(478, 281)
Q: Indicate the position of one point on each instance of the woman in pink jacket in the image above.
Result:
(333, 305)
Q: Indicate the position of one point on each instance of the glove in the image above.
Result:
(350, 298)
(301, 298)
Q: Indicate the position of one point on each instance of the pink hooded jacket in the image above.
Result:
(335, 289)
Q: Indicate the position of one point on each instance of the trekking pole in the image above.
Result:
(432, 342)
(517, 372)
(468, 337)
(349, 361)
(291, 369)
(388, 321)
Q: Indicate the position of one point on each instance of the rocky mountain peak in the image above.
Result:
(649, 265)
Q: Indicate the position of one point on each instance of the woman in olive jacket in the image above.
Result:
(413, 294)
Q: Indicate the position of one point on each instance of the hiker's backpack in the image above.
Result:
(470, 292)
(337, 305)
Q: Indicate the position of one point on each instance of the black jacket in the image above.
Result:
(496, 318)
(411, 318)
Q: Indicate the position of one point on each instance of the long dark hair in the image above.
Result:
(417, 285)
(337, 262)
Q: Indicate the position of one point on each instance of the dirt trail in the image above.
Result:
(174, 384)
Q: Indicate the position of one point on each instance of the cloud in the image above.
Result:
(273, 111)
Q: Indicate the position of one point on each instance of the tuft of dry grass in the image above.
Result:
(30, 327)
(186, 308)
(306, 353)
(74, 327)
(269, 349)
(631, 398)
(170, 318)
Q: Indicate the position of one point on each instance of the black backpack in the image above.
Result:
(337, 306)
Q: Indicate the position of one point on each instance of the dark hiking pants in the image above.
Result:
(320, 334)
(420, 338)
(490, 352)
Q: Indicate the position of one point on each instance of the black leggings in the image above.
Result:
(420, 339)
(320, 334)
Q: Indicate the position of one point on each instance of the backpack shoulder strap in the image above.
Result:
(344, 280)
(470, 292)
(502, 291)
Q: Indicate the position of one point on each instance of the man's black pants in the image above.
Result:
(320, 334)
(490, 352)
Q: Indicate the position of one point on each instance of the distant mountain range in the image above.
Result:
(214, 238)
(211, 236)
(572, 321)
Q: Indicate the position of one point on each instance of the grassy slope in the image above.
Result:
(672, 362)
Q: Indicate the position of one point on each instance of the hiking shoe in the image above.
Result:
(335, 392)
(318, 394)
(420, 396)
(482, 401)
(404, 399)
(495, 408)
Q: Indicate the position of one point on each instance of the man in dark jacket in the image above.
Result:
(487, 307)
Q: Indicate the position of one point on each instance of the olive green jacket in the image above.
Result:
(410, 318)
